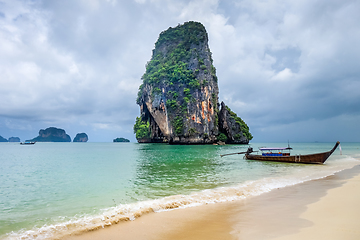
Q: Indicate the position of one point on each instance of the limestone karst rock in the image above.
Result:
(52, 134)
(121, 140)
(233, 127)
(179, 96)
(81, 137)
(14, 139)
(3, 139)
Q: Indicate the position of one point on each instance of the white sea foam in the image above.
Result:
(126, 212)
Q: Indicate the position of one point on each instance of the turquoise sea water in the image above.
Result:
(49, 190)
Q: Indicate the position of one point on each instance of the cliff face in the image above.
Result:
(52, 134)
(81, 137)
(179, 94)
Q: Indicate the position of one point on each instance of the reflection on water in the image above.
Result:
(163, 170)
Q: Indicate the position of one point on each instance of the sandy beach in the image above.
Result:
(321, 209)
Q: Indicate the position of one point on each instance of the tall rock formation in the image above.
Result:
(179, 96)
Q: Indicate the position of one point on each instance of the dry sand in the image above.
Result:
(335, 216)
(328, 208)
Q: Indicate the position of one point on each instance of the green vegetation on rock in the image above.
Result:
(171, 68)
(141, 129)
(222, 137)
(177, 65)
(172, 104)
(178, 125)
(189, 33)
(178, 97)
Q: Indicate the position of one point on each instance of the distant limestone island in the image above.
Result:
(178, 98)
(53, 134)
(11, 139)
(121, 140)
(14, 139)
(81, 137)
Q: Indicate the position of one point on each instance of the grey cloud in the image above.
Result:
(285, 58)
(282, 66)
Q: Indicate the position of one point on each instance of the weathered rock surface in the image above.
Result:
(179, 96)
(81, 137)
(14, 139)
(180, 91)
(52, 134)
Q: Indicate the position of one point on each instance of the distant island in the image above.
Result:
(121, 140)
(3, 139)
(51, 134)
(178, 98)
(81, 137)
(11, 139)
(14, 139)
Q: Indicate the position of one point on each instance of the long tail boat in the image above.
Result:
(318, 158)
(277, 155)
(27, 143)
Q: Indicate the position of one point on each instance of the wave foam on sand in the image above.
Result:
(126, 212)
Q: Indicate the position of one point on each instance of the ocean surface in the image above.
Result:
(50, 190)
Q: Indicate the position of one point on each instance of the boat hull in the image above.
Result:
(317, 158)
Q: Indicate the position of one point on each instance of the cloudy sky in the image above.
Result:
(290, 69)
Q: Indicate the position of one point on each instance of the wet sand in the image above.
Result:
(322, 209)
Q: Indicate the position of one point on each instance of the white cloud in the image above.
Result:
(283, 76)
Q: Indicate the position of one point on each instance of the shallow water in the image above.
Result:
(49, 190)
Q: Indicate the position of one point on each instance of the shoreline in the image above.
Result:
(280, 214)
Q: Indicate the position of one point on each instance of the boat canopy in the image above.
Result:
(270, 149)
